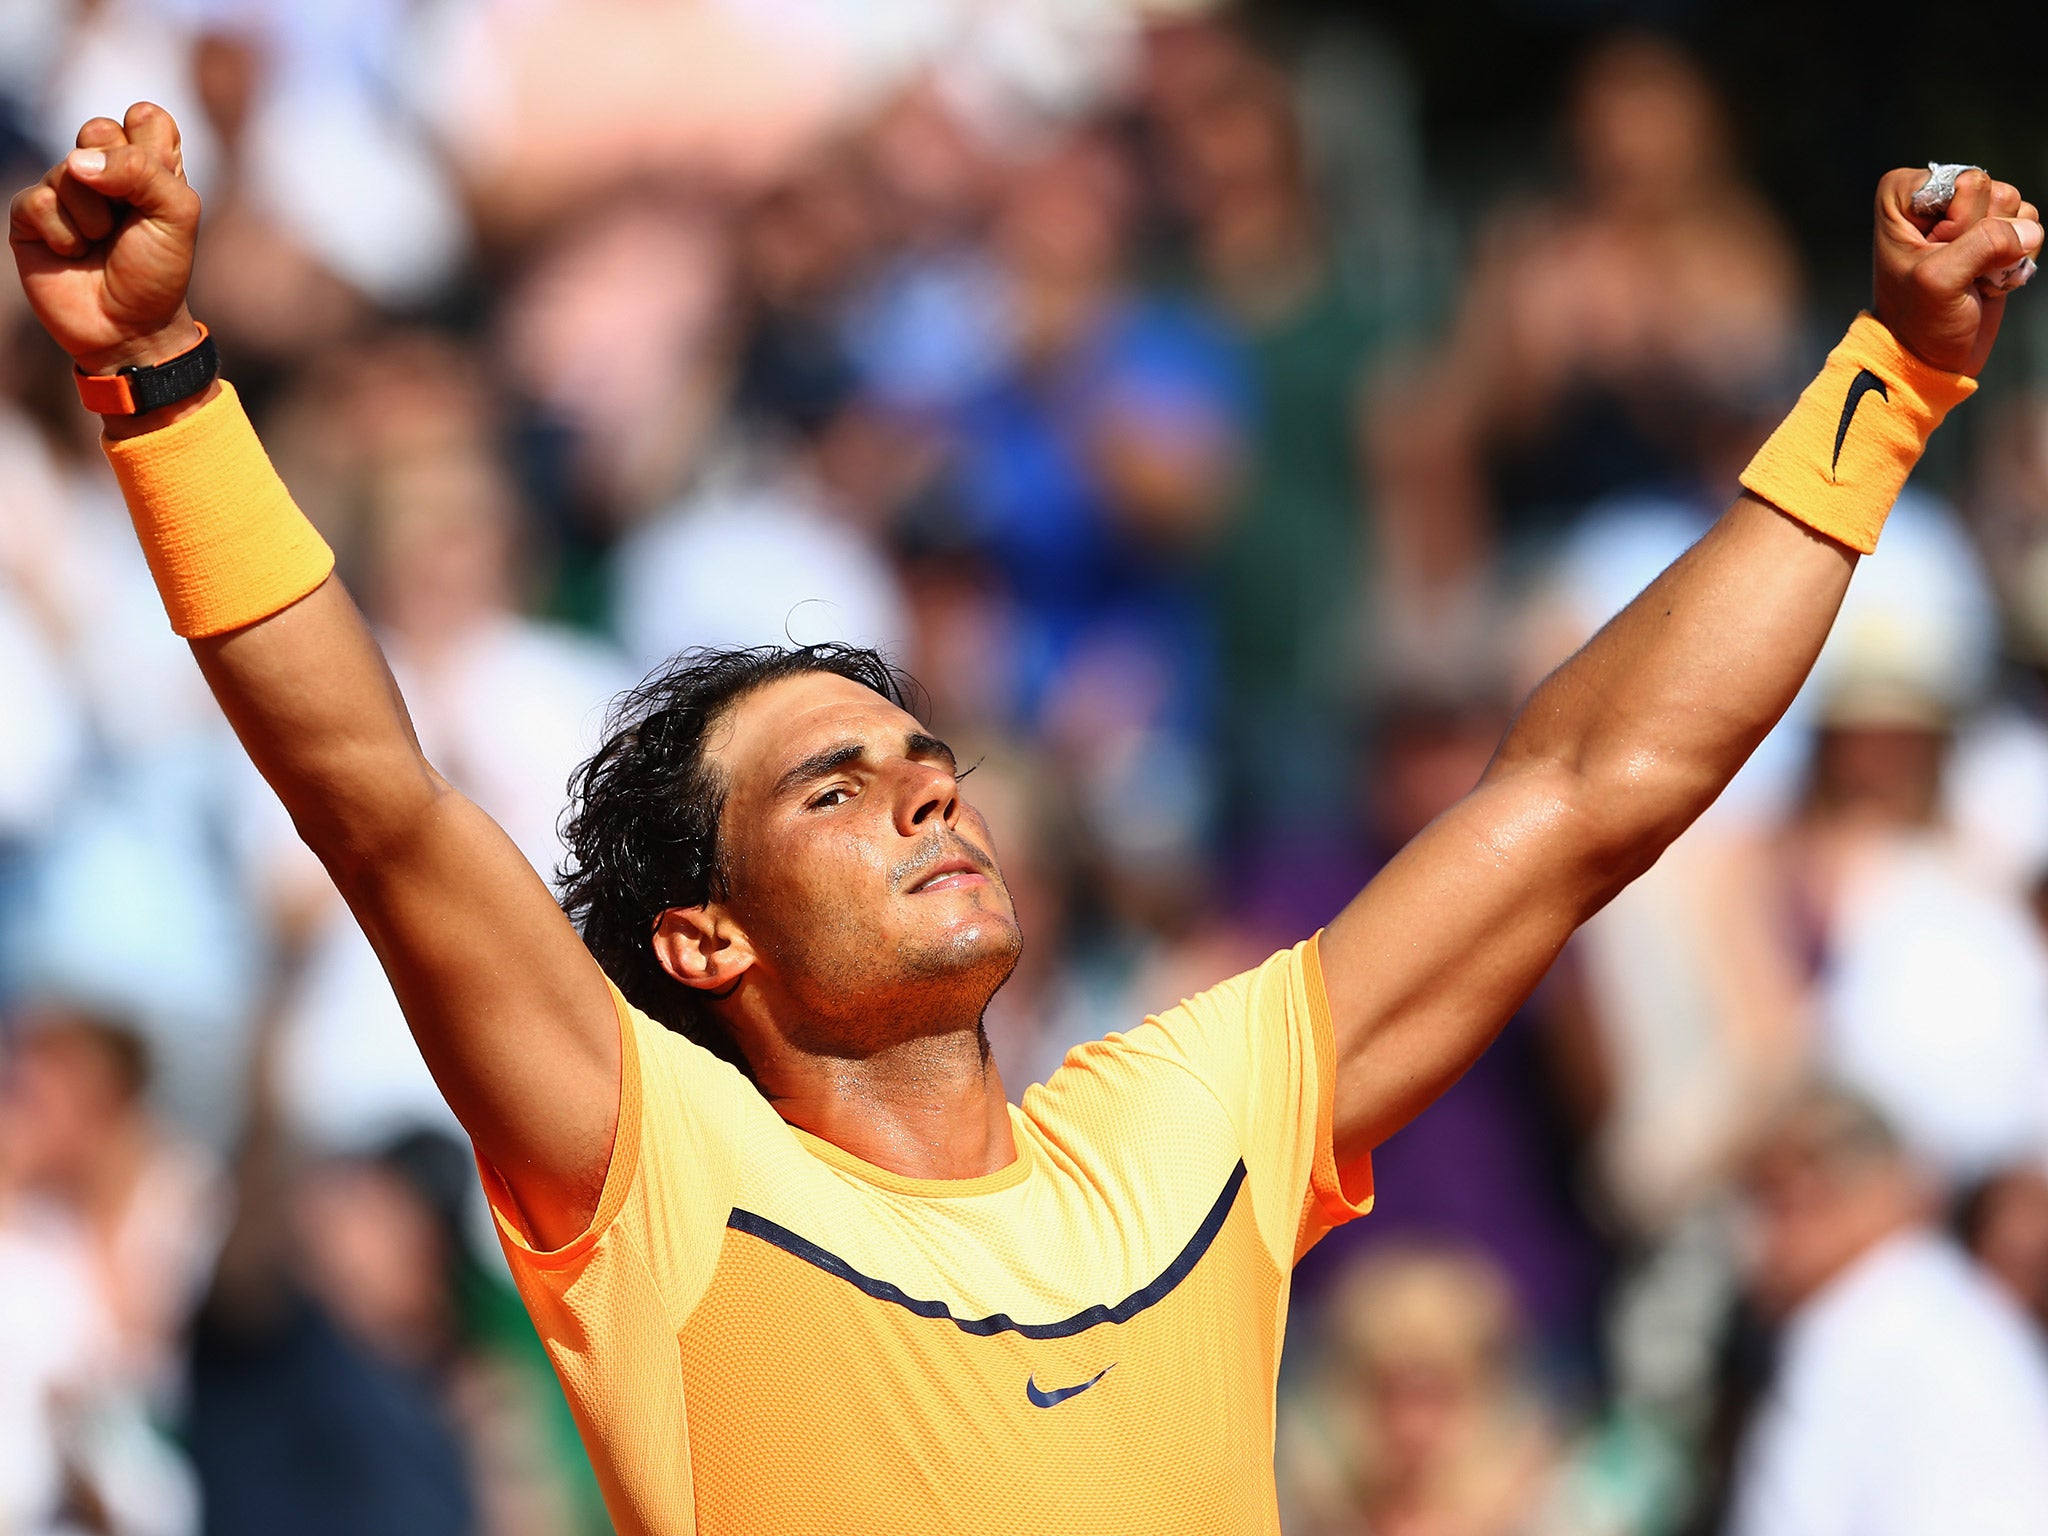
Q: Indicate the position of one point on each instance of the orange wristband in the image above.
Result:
(227, 544)
(1839, 461)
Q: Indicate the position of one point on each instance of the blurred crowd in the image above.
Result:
(1225, 483)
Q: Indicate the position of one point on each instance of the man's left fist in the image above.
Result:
(1925, 267)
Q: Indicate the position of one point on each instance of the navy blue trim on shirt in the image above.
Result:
(1080, 1322)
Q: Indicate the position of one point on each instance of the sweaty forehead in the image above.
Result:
(781, 723)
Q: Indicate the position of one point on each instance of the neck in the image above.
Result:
(931, 1107)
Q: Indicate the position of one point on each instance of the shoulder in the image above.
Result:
(670, 1062)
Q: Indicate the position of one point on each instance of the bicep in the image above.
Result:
(1429, 961)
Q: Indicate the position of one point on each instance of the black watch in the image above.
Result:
(137, 390)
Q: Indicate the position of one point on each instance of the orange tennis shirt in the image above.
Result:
(761, 1333)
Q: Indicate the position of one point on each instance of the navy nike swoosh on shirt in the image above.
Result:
(1864, 382)
(1042, 1398)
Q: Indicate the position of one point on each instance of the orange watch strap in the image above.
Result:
(105, 394)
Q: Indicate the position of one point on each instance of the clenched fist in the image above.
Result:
(104, 243)
(1925, 269)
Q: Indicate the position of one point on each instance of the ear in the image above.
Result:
(702, 947)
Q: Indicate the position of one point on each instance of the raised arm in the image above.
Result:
(1626, 743)
(509, 1010)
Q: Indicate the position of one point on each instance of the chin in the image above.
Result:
(982, 941)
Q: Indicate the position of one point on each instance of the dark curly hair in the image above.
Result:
(642, 825)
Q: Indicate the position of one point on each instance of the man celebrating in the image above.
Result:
(798, 1263)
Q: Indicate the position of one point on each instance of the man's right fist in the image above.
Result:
(104, 243)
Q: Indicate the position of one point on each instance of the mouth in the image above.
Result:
(948, 875)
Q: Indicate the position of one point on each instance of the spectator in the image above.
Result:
(926, 328)
(45, 745)
(1909, 1394)
(145, 1201)
(780, 536)
(615, 332)
(77, 1450)
(1931, 979)
(53, 1339)
(548, 109)
(329, 79)
(1996, 792)
(126, 895)
(1298, 548)
(1418, 1421)
(272, 290)
(2004, 1223)
(1628, 331)
(116, 51)
(1092, 471)
(321, 1358)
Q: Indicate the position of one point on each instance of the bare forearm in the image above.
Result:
(513, 1017)
(1632, 738)
(1657, 713)
(309, 695)
(1653, 717)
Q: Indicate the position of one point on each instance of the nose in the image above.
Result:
(931, 796)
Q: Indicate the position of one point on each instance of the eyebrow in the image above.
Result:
(824, 763)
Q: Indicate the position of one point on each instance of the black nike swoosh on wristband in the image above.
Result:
(1864, 382)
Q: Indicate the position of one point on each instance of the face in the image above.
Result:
(1422, 1408)
(863, 904)
(1813, 1216)
(1646, 123)
(443, 553)
(1890, 773)
(375, 1254)
(61, 1096)
(1064, 216)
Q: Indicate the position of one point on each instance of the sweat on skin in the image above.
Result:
(703, 1248)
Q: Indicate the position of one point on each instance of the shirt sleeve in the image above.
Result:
(1262, 1044)
(669, 1185)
